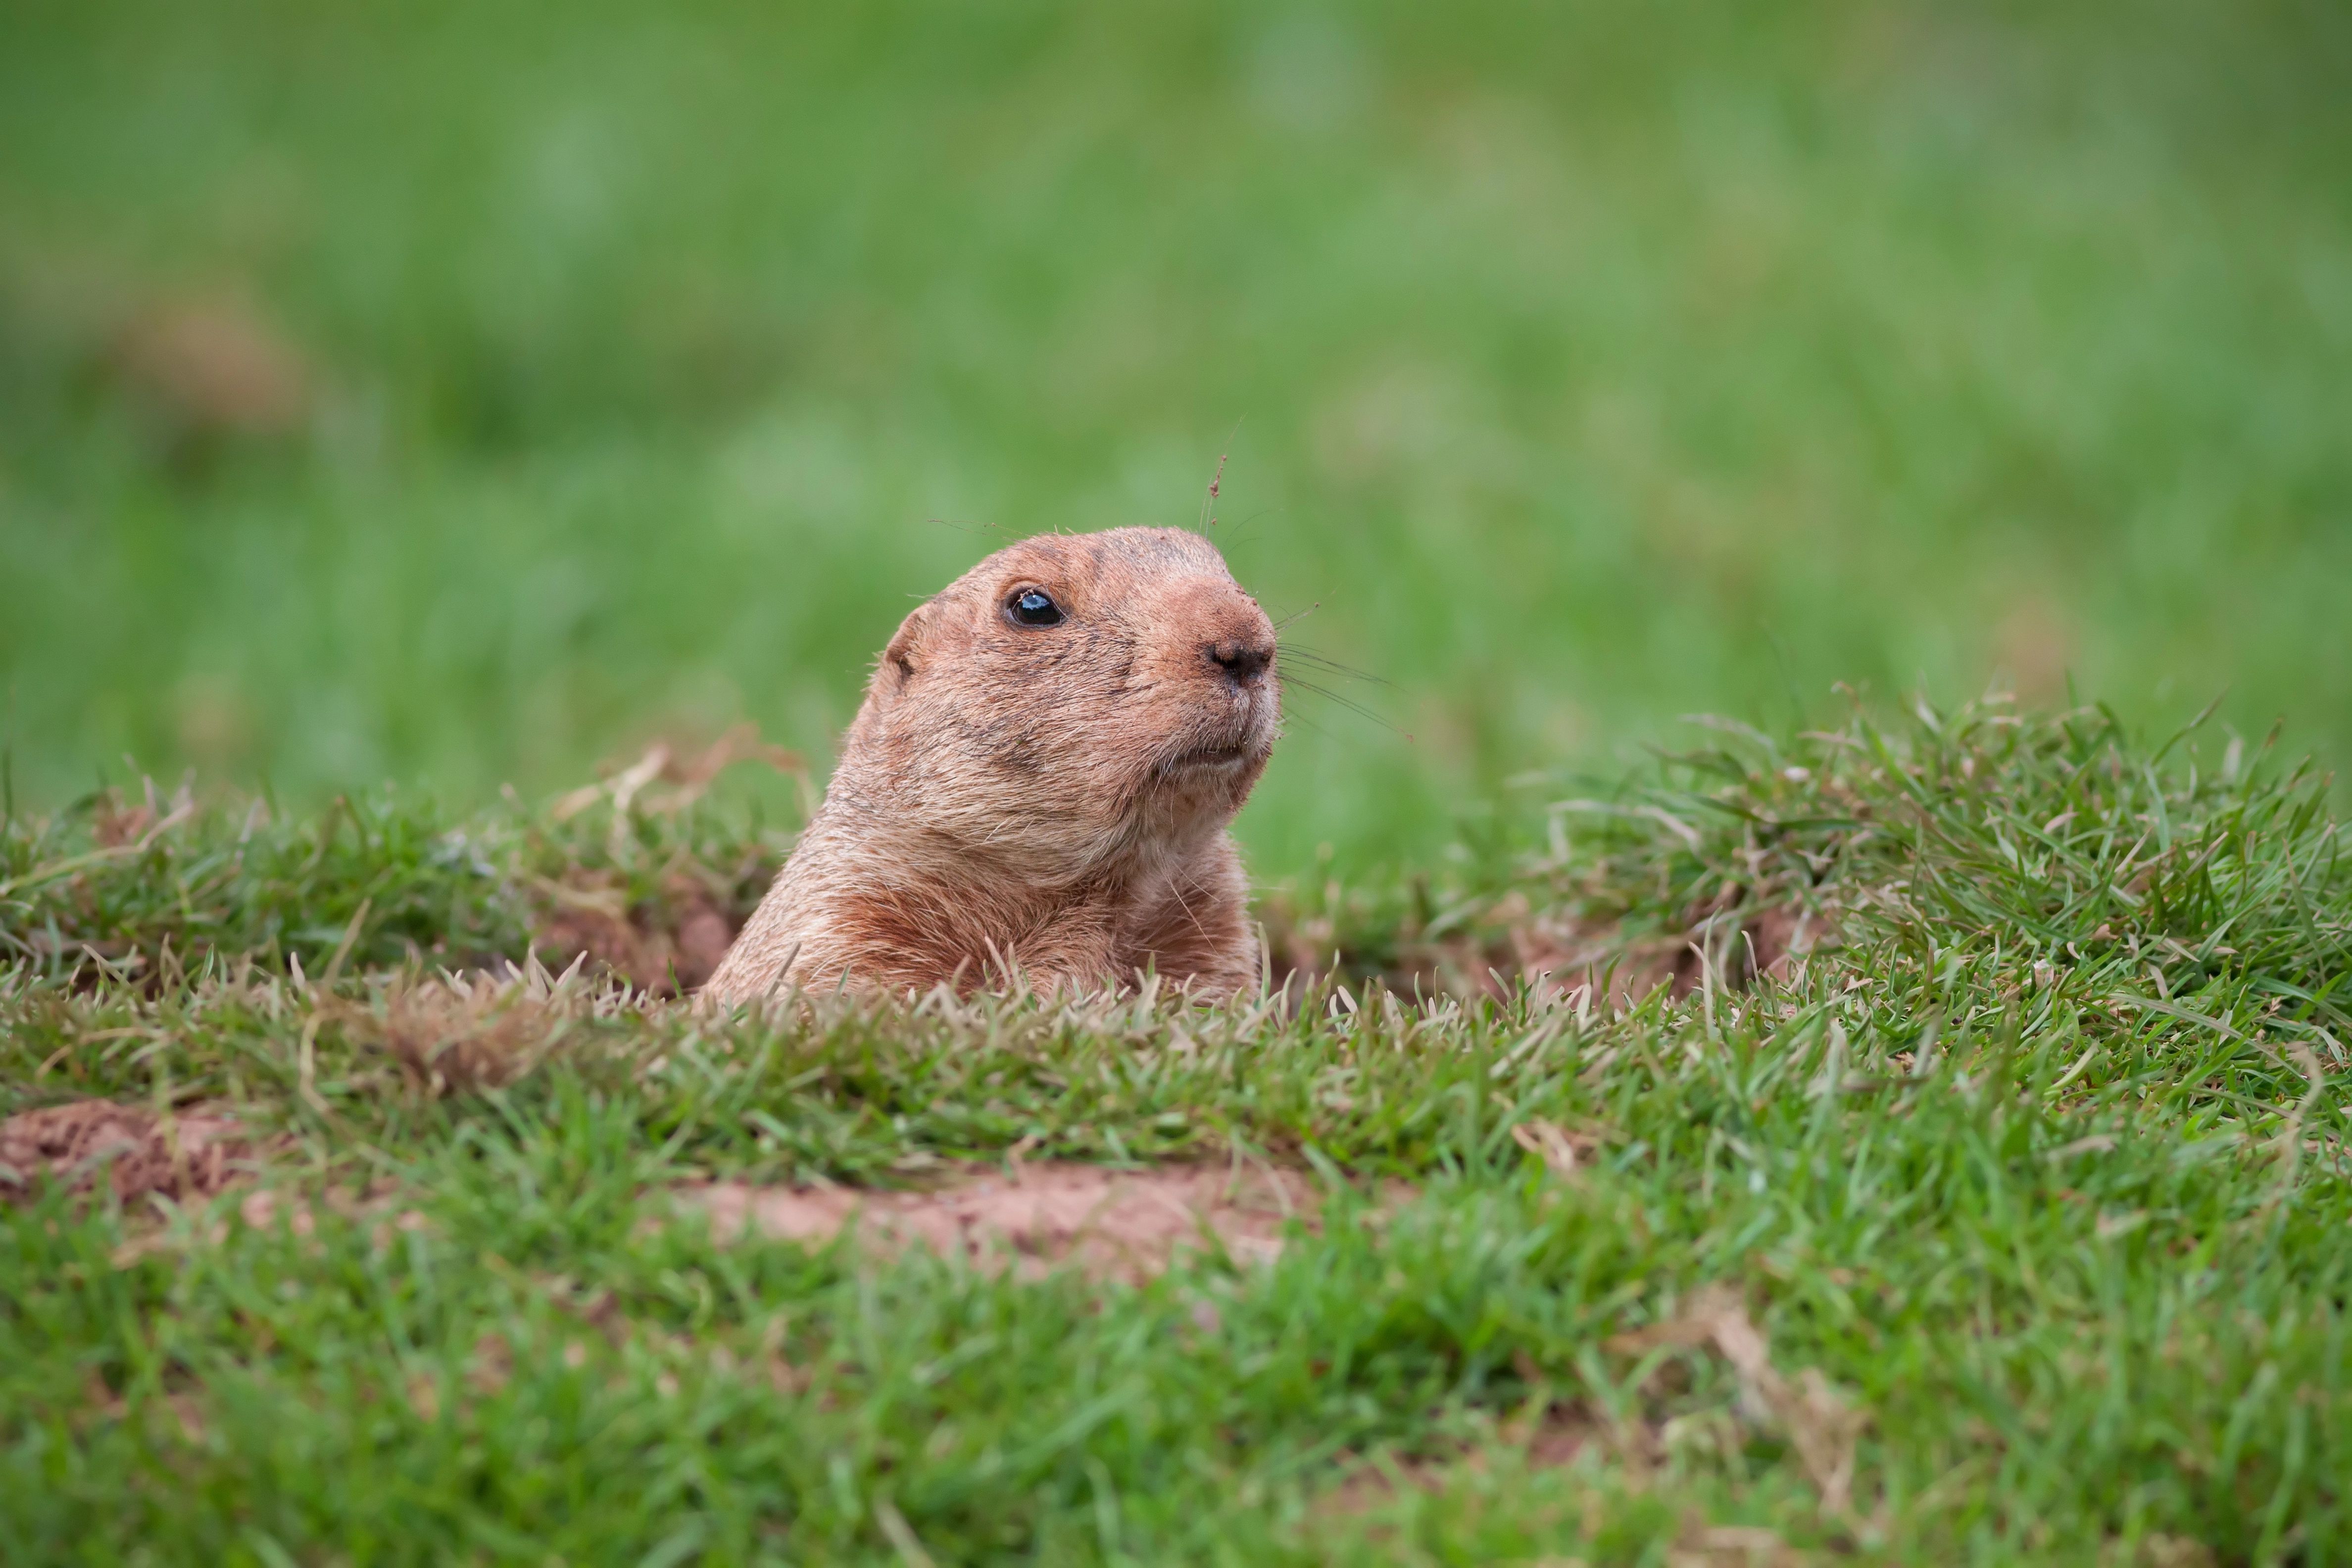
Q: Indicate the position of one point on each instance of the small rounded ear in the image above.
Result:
(900, 660)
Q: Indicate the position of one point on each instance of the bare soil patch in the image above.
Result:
(1125, 1224)
(189, 1154)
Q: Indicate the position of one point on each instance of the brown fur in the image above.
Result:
(1046, 804)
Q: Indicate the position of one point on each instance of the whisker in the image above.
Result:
(1298, 615)
(1304, 722)
(1328, 672)
(1233, 530)
(1325, 662)
(1294, 683)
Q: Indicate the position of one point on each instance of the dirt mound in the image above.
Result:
(665, 948)
(1731, 941)
(191, 1153)
(669, 944)
(1111, 1224)
(1561, 957)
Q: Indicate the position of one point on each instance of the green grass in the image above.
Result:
(467, 394)
(1590, 365)
(2039, 1167)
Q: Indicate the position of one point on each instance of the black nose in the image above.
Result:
(1243, 662)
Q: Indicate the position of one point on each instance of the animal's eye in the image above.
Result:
(1033, 608)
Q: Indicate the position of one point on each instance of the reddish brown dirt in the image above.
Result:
(192, 1154)
(666, 946)
(1562, 958)
(1563, 954)
(1110, 1224)
(647, 947)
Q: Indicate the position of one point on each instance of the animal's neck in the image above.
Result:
(1007, 874)
(925, 900)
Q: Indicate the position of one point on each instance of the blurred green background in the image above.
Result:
(464, 394)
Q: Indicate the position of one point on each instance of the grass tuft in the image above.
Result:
(1998, 1218)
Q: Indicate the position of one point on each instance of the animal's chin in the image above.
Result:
(1216, 758)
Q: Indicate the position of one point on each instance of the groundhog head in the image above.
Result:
(1072, 698)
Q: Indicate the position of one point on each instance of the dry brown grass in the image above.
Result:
(1821, 1425)
(461, 1033)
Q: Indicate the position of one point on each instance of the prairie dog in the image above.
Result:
(1038, 784)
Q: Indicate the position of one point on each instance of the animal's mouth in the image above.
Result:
(1241, 741)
